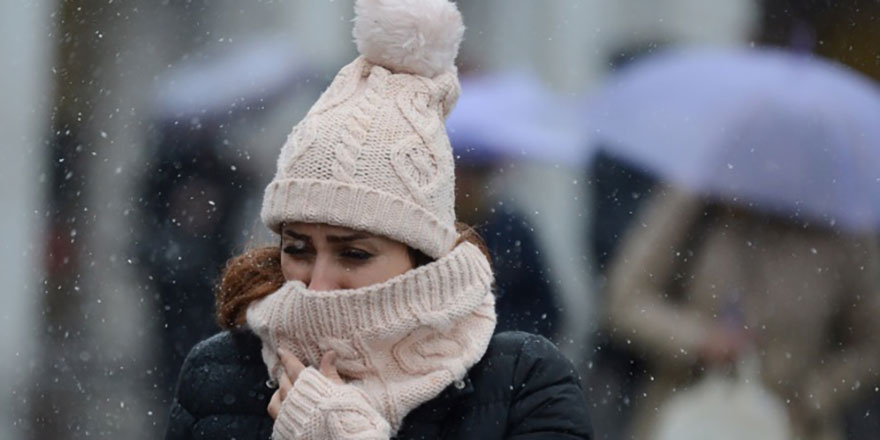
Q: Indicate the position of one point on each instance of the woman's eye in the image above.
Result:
(292, 250)
(296, 248)
(356, 254)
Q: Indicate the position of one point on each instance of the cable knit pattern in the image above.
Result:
(374, 154)
(400, 343)
(318, 409)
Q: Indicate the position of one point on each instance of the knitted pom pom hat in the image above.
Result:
(372, 154)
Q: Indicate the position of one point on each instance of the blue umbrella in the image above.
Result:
(786, 133)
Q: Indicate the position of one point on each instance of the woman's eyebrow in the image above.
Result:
(347, 238)
(296, 236)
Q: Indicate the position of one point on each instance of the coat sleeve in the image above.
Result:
(180, 423)
(851, 363)
(640, 310)
(221, 391)
(181, 420)
(548, 402)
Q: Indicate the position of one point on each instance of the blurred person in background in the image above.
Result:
(620, 186)
(699, 283)
(779, 149)
(525, 299)
(846, 31)
(374, 315)
(620, 189)
(199, 181)
(509, 125)
(192, 199)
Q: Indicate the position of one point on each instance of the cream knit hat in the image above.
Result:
(372, 154)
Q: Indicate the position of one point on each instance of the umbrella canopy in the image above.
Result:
(255, 72)
(777, 131)
(513, 115)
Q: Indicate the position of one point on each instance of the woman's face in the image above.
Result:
(328, 257)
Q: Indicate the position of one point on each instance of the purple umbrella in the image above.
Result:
(787, 133)
(514, 116)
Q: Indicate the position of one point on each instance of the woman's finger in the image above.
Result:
(328, 367)
(292, 365)
(274, 405)
(284, 386)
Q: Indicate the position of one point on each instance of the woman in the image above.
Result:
(703, 283)
(374, 317)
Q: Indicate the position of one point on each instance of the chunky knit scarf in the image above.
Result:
(398, 344)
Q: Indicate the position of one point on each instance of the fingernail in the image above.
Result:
(281, 351)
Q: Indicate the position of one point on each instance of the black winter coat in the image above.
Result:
(523, 389)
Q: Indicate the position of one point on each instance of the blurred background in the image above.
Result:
(138, 136)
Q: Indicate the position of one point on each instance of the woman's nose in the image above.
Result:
(324, 276)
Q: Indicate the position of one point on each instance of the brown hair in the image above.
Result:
(257, 273)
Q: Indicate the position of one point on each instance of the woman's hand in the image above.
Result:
(292, 369)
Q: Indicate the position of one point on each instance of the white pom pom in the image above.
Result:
(409, 36)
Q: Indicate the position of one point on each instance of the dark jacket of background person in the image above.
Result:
(522, 388)
(525, 298)
(810, 297)
(620, 190)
